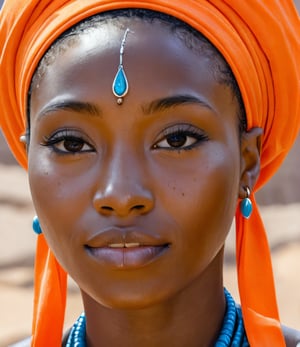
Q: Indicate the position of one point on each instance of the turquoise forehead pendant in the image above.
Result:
(120, 83)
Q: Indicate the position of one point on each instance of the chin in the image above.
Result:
(127, 300)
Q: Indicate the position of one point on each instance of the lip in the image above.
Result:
(125, 248)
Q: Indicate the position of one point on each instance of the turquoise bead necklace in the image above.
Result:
(77, 334)
(232, 333)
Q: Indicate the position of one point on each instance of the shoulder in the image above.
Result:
(65, 338)
(23, 343)
(27, 342)
(292, 336)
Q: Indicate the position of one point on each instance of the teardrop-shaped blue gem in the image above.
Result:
(36, 226)
(246, 207)
(120, 84)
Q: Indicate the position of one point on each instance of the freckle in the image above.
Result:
(182, 194)
(174, 188)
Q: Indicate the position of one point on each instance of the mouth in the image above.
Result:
(125, 248)
(126, 256)
(125, 245)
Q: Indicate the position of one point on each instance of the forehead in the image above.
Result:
(105, 27)
(157, 63)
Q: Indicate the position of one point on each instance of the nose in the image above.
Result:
(122, 189)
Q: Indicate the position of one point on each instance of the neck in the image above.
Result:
(193, 315)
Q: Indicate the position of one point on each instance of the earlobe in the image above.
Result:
(250, 159)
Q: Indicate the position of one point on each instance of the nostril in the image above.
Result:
(109, 204)
(137, 207)
(107, 208)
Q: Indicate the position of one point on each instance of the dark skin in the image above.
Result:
(164, 181)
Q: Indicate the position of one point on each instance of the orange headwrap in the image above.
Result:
(260, 41)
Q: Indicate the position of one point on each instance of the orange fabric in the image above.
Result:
(50, 291)
(260, 41)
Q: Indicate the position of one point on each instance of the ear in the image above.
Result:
(250, 159)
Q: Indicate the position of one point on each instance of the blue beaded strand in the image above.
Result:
(232, 333)
(78, 332)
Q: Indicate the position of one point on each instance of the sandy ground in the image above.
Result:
(17, 253)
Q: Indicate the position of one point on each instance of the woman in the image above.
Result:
(143, 124)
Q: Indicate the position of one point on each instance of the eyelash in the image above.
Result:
(185, 131)
(61, 137)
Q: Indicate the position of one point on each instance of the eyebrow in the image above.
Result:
(70, 105)
(148, 109)
(173, 101)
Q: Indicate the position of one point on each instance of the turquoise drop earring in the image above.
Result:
(36, 225)
(246, 205)
(120, 83)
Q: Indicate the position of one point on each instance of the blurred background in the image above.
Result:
(280, 207)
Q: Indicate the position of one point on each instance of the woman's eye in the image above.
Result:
(65, 143)
(72, 145)
(181, 139)
(177, 141)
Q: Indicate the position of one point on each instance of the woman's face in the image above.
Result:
(135, 200)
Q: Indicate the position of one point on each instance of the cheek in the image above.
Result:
(203, 204)
(208, 183)
(59, 200)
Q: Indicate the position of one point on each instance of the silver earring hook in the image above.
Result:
(248, 192)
